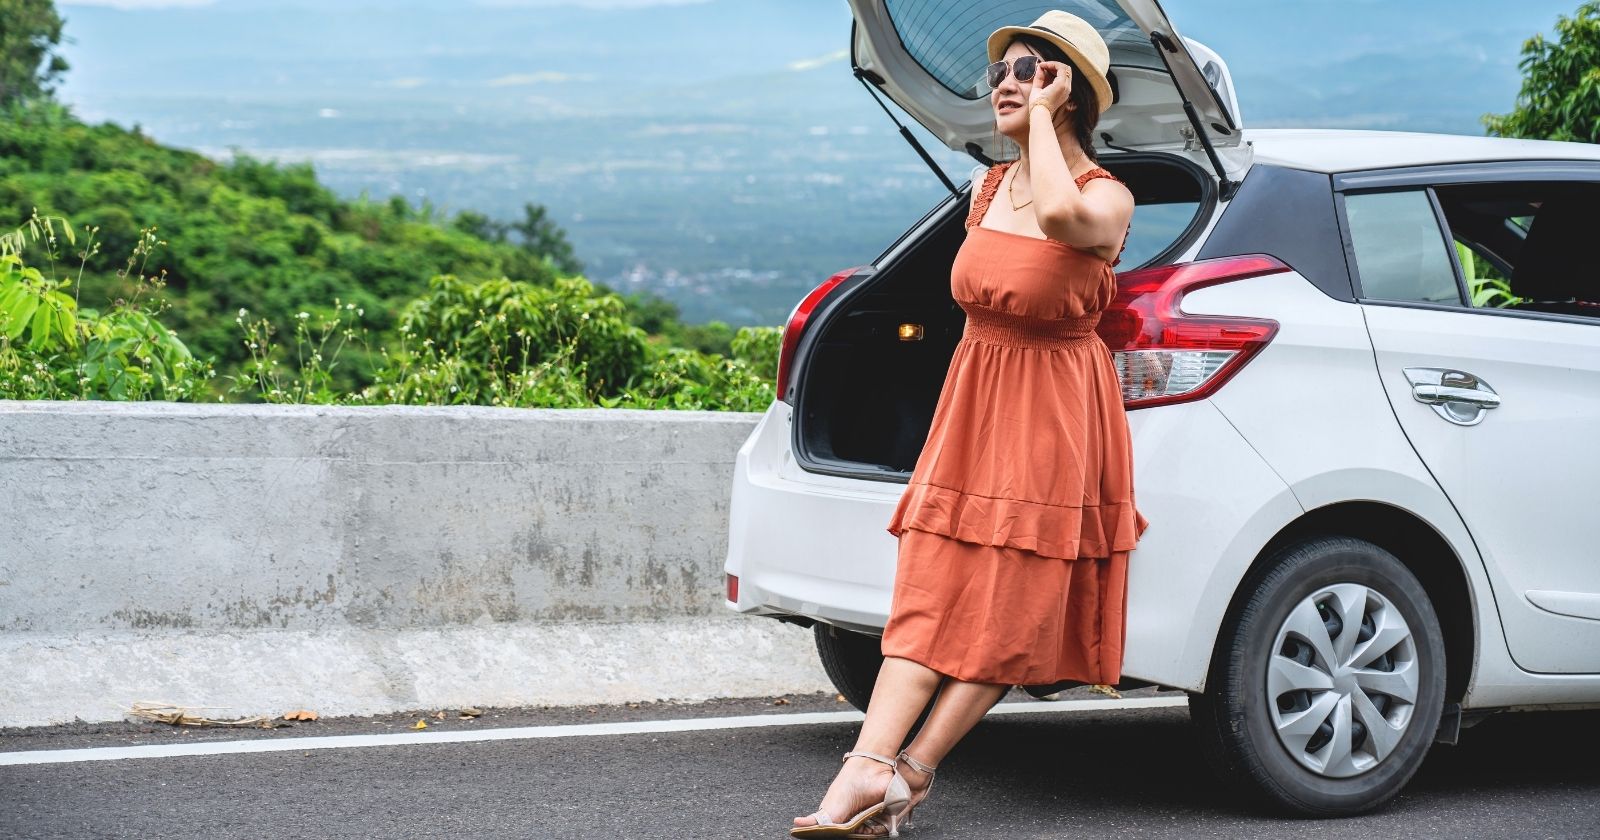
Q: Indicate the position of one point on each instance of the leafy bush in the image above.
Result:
(124, 353)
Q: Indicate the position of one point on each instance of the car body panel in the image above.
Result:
(1525, 477)
(1212, 504)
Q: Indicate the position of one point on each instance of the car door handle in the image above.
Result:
(1455, 395)
(1436, 394)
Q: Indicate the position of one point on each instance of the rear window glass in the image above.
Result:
(1400, 250)
(947, 36)
(1154, 228)
(1166, 199)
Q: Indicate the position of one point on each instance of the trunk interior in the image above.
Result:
(866, 397)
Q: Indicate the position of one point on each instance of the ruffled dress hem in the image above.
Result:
(1049, 530)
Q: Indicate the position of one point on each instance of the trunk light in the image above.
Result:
(1164, 356)
(910, 332)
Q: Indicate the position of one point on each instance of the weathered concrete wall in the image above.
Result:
(162, 515)
(167, 518)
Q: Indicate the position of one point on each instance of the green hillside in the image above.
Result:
(271, 241)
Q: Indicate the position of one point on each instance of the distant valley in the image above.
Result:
(717, 153)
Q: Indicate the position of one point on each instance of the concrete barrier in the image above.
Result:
(366, 559)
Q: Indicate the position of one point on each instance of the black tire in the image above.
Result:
(851, 661)
(1235, 721)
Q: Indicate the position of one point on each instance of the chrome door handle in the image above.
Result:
(1455, 395)
(1436, 394)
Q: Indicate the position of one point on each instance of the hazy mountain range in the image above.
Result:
(718, 151)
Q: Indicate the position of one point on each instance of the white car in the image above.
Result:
(1362, 375)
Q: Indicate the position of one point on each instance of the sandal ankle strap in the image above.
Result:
(917, 765)
(872, 755)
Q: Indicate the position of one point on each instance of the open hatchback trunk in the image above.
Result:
(864, 393)
(1171, 92)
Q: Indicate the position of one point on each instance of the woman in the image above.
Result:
(1017, 522)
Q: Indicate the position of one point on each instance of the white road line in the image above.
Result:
(637, 727)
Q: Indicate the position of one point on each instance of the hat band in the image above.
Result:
(1055, 33)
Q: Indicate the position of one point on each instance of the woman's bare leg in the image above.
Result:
(901, 693)
(960, 706)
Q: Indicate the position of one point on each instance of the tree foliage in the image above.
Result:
(30, 31)
(1560, 96)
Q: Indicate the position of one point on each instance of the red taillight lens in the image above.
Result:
(1164, 356)
(797, 326)
(733, 588)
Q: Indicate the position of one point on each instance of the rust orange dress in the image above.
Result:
(1017, 522)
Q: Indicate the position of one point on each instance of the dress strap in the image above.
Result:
(991, 183)
(1101, 172)
(1097, 172)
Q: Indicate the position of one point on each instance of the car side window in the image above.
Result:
(1525, 245)
(1400, 251)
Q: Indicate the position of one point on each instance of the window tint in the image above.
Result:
(947, 36)
(1400, 251)
(1526, 246)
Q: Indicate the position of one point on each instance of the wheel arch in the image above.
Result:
(1416, 544)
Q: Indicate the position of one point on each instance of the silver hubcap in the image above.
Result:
(1342, 680)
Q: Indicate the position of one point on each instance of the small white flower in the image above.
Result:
(242, 311)
(303, 315)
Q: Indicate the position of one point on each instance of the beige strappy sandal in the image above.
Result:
(926, 769)
(895, 801)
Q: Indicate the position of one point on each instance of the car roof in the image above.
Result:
(1348, 149)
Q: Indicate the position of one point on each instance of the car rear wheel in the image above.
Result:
(851, 661)
(1328, 682)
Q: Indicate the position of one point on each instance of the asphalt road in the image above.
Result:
(1115, 773)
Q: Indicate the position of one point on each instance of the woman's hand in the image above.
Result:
(1052, 85)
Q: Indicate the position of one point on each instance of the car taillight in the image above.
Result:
(797, 326)
(1163, 355)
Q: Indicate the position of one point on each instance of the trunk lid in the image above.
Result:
(928, 56)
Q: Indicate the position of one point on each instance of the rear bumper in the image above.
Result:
(806, 544)
(817, 546)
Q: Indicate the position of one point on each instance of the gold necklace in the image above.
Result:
(1011, 192)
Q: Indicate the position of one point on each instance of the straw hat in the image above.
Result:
(1076, 37)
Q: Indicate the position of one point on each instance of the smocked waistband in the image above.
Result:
(997, 326)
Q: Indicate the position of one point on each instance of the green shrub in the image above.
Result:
(69, 352)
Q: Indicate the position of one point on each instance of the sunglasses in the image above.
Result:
(1023, 68)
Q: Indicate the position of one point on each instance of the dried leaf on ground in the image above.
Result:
(189, 715)
(470, 712)
(438, 715)
(421, 724)
(781, 701)
(1106, 690)
(300, 714)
